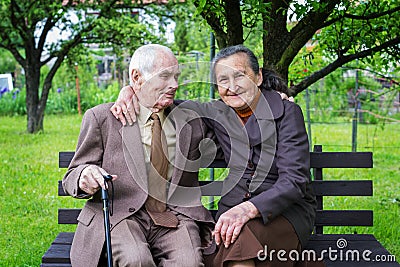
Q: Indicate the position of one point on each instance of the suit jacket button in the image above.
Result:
(131, 209)
(250, 165)
(247, 196)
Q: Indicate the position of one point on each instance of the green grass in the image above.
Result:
(29, 174)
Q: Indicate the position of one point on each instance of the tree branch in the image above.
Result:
(214, 22)
(15, 53)
(62, 53)
(46, 29)
(374, 15)
(340, 62)
(368, 17)
(304, 31)
(18, 23)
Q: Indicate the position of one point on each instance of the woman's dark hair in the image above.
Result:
(272, 81)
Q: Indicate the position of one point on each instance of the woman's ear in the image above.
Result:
(259, 78)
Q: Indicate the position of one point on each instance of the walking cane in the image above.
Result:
(104, 198)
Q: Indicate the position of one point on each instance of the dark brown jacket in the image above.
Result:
(269, 159)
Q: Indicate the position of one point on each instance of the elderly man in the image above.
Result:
(155, 222)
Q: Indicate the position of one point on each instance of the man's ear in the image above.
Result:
(137, 79)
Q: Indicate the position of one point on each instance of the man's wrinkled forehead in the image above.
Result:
(166, 63)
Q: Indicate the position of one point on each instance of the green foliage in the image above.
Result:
(191, 32)
(351, 34)
(26, 26)
(61, 100)
(251, 11)
(181, 36)
(13, 103)
(7, 62)
(332, 99)
(308, 60)
(194, 79)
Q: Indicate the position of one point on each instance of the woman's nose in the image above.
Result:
(232, 86)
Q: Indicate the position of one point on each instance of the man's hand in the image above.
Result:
(231, 222)
(92, 179)
(285, 96)
(126, 107)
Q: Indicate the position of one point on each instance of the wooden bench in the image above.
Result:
(345, 247)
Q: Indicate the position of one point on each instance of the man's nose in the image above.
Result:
(173, 83)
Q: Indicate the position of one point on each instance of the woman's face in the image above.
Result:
(237, 83)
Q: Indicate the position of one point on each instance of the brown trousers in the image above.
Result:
(136, 242)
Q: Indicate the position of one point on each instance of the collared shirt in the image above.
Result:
(145, 124)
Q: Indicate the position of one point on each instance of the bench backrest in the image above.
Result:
(318, 161)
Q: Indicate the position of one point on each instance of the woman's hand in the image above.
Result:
(126, 107)
(231, 222)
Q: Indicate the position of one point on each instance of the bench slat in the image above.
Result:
(58, 253)
(321, 188)
(68, 216)
(323, 217)
(65, 157)
(343, 188)
(344, 218)
(317, 160)
(64, 238)
(341, 160)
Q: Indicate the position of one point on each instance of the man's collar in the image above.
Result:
(145, 114)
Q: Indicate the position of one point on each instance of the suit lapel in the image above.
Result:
(134, 154)
(183, 140)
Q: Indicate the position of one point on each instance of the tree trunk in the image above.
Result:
(35, 114)
(275, 37)
(234, 26)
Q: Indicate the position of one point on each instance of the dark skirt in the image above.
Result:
(256, 241)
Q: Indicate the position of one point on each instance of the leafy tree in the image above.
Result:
(7, 62)
(346, 30)
(26, 25)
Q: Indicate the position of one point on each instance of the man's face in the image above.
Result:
(158, 91)
(236, 80)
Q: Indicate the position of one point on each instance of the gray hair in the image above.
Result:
(143, 59)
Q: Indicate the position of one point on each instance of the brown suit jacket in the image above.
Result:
(118, 150)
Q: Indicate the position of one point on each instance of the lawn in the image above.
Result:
(29, 175)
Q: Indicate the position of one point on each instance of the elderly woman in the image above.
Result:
(267, 203)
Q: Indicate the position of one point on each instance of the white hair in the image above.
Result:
(143, 59)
